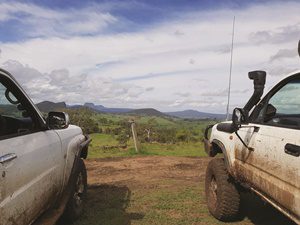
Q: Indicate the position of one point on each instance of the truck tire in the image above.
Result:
(77, 199)
(222, 196)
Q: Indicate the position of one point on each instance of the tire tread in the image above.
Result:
(228, 197)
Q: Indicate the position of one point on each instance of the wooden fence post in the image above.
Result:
(134, 135)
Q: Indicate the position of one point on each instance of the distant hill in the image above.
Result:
(194, 114)
(147, 112)
(47, 106)
(102, 108)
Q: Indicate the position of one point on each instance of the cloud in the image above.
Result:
(24, 74)
(149, 89)
(240, 91)
(280, 71)
(155, 75)
(192, 61)
(217, 93)
(60, 85)
(224, 49)
(183, 94)
(178, 33)
(81, 21)
(205, 103)
(72, 59)
(284, 53)
(278, 35)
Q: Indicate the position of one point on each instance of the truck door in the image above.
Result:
(273, 163)
(30, 179)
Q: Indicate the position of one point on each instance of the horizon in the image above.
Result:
(133, 109)
(166, 55)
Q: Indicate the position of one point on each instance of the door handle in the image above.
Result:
(7, 157)
(291, 149)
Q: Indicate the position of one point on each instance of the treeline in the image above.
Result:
(152, 131)
(149, 131)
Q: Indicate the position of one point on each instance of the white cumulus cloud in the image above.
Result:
(180, 63)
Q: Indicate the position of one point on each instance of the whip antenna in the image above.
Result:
(230, 70)
(299, 47)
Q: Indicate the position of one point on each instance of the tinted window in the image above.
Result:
(287, 99)
(15, 116)
(283, 107)
(6, 107)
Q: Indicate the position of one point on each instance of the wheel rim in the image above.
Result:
(79, 190)
(213, 191)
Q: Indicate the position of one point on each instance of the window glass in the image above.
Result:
(287, 99)
(283, 108)
(6, 107)
(15, 118)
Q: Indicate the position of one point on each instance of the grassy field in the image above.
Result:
(154, 207)
(96, 149)
(192, 148)
(159, 190)
(179, 149)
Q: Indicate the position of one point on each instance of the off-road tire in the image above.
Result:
(222, 196)
(75, 205)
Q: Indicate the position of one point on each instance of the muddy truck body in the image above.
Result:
(42, 174)
(261, 151)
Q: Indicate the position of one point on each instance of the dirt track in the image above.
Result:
(145, 171)
(120, 183)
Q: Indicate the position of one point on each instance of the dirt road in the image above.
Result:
(158, 190)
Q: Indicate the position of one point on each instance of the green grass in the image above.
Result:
(160, 120)
(178, 149)
(175, 206)
(112, 117)
(168, 204)
(102, 139)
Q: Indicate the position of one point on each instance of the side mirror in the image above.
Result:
(270, 112)
(58, 120)
(239, 117)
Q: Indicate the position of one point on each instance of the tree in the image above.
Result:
(183, 135)
(165, 135)
(123, 138)
(84, 119)
(150, 126)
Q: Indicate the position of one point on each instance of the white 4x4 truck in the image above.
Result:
(261, 149)
(42, 174)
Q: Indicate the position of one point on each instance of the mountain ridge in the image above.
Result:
(194, 114)
(47, 106)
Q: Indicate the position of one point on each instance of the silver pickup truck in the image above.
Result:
(42, 174)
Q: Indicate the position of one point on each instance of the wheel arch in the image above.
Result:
(219, 148)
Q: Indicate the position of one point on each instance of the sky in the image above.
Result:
(165, 54)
